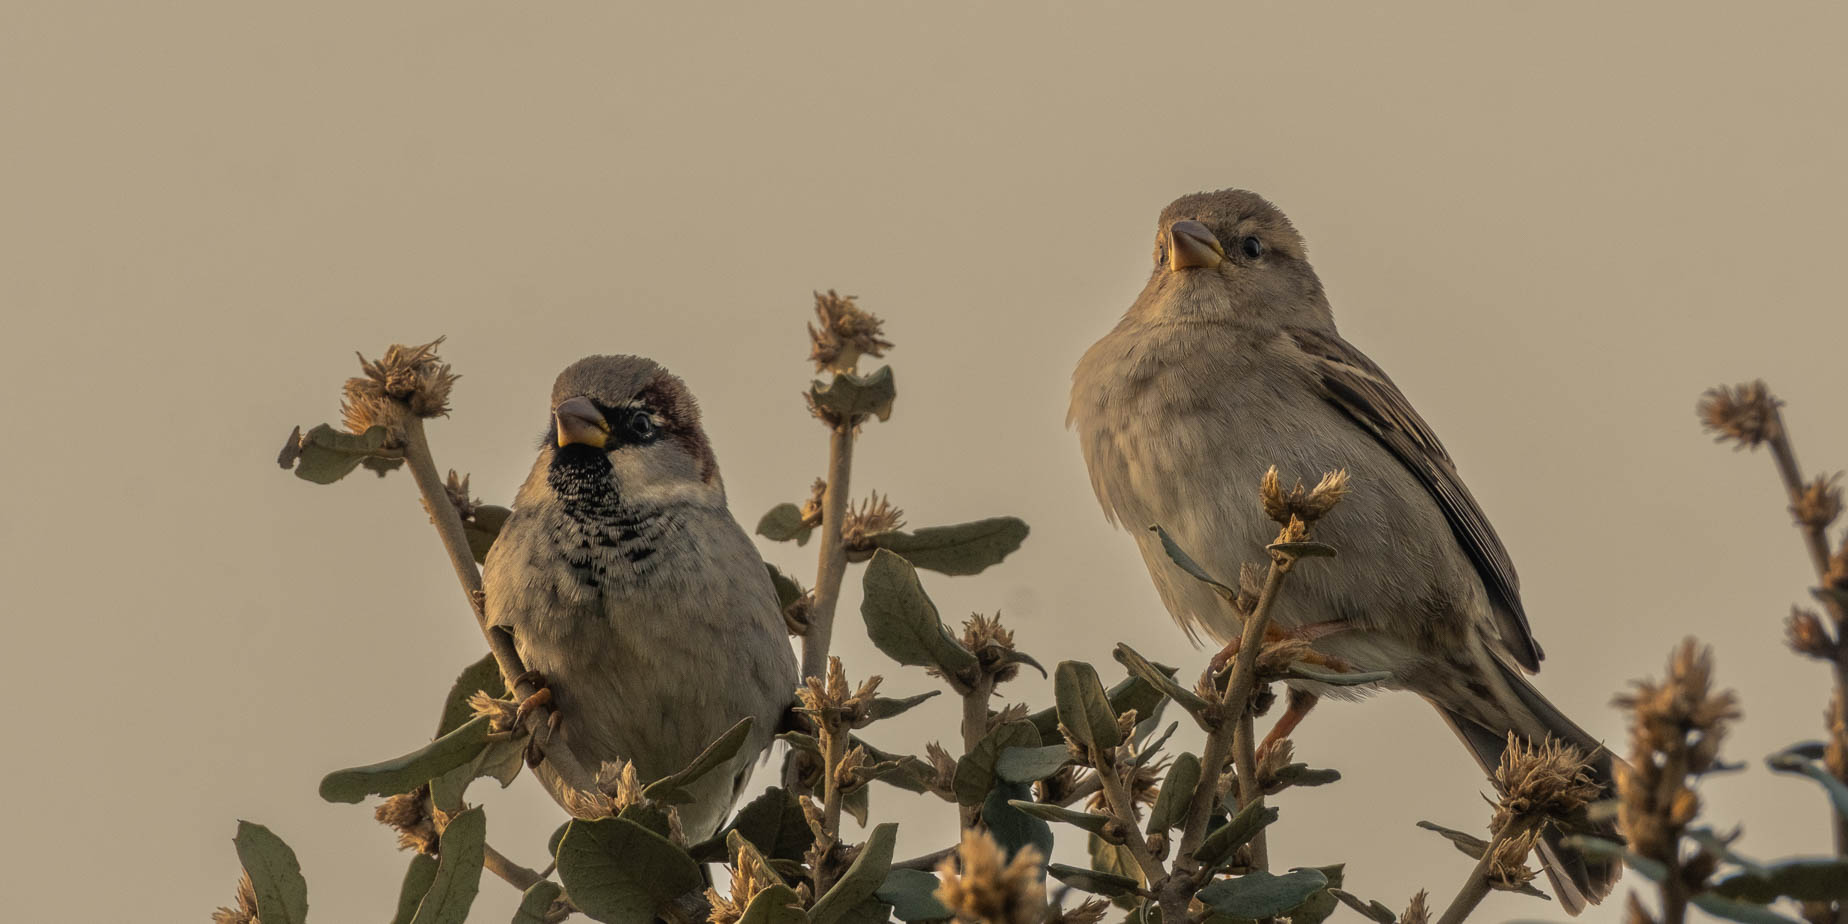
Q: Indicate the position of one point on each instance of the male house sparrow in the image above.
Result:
(629, 587)
(1228, 363)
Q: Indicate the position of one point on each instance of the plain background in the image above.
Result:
(1554, 226)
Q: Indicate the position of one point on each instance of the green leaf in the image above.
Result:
(325, 455)
(1177, 790)
(619, 872)
(1738, 911)
(1109, 885)
(966, 548)
(483, 675)
(1229, 837)
(1160, 679)
(458, 871)
(1302, 549)
(870, 911)
(1129, 693)
(1792, 762)
(1084, 710)
(787, 590)
(1115, 859)
(975, 771)
(862, 879)
(1808, 879)
(1012, 828)
(536, 901)
(417, 881)
(1471, 845)
(912, 893)
(1315, 909)
(1300, 775)
(902, 621)
(1301, 671)
(275, 875)
(1259, 894)
(1600, 849)
(1372, 910)
(650, 815)
(403, 774)
(783, 523)
(673, 789)
(852, 397)
(857, 803)
(886, 707)
(1026, 764)
(1096, 824)
(1186, 563)
(483, 528)
(775, 905)
(772, 822)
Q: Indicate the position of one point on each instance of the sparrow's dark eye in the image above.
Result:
(642, 425)
(1252, 247)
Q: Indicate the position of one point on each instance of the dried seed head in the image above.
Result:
(1418, 910)
(1294, 531)
(246, 910)
(1089, 911)
(1745, 414)
(1276, 655)
(414, 377)
(873, 516)
(1820, 503)
(500, 713)
(1272, 761)
(992, 644)
(456, 488)
(1676, 729)
(1806, 635)
(828, 699)
(1250, 587)
(1308, 505)
(811, 508)
(847, 331)
(979, 884)
(749, 877)
(1508, 868)
(409, 815)
(1551, 780)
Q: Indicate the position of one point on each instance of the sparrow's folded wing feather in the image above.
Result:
(1361, 390)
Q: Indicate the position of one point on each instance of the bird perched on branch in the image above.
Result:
(1229, 363)
(631, 590)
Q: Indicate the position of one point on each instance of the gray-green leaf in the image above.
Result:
(1186, 563)
(483, 675)
(673, 789)
(776, 905)
(619, 872)
(975, 771)
(1792, 762)
(1026, 764)
(1177, 789)
(1160, 679)
(1811, 879)
(1083, 707)
(1259, 894)
(417, 881)
(902, 621)
(1109, 885)
(1229, 837)
(862, 879)
(1096, 824)
(783, 523)
(1743, 912)
(536, 902)
(458, 871)
(912, 893)
(852, 397)
(405, 773)
(275, 875)
(325, 455)
(1369, 909)
(884, 707)
(966, 548)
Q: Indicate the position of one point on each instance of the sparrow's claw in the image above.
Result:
(1301, 701)
(1312, 632)
(542, 697)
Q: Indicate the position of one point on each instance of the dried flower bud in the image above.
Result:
(1804, 632)
(873, 516)
(1418, 910)
(1820, 503)
(1276, 655)
(246, 910)
(847, 331)
(1508, 868)
(1250, 587)
(1536, 782)
(1089, 911)
(499, 712)
(749, 877)
(1294, 531)
(943, 765)
(1310, 505)
(827, 699)
(414, 377)
(1676, 723)
(1272, 760)
(1746, 414)
(986, 888)
(1013, 712)
(409, 815)
(811, 508)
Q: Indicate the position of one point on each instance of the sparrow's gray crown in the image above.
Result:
(618, 402)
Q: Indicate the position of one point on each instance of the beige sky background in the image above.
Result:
(1553, 225)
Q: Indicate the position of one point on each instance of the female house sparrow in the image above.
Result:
(630, 588)
(1229, 363)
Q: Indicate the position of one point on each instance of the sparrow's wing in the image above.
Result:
(1361, 390)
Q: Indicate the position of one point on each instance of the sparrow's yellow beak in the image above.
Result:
(580, 423)
(1192, 245)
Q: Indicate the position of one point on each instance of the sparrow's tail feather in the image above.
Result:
(1577, 880)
